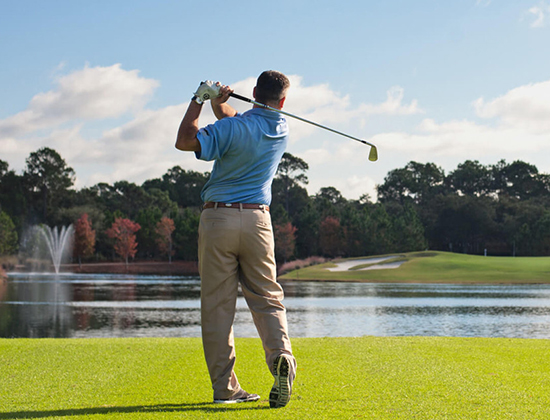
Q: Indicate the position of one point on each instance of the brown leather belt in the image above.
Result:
(211, 204)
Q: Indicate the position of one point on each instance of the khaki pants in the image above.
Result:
(237, 245)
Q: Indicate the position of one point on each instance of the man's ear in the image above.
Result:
(254, 92)
(282, 102)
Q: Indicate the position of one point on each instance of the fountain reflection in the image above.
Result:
(40, 315)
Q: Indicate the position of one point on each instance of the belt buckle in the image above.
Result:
(228, 205)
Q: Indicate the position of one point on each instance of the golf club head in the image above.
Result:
(373, 154)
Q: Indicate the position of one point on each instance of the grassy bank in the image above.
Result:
(367, 377)
(438, 267)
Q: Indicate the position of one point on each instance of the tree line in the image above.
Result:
(502, 208)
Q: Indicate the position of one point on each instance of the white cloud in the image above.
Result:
(463, 139)
(356, 186)
(322, 103)
(141, 149)
(392, 105)
(539, 13)
(93, 93)
(525, 106)
(520, 122)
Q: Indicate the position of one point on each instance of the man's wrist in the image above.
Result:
(194, 99)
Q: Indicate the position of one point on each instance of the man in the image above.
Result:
(236, 242)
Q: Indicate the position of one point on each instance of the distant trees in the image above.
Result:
(498, 207)
(8, 235)
(47, 177)
(13, 197)
(331, 237)
(285, 241)
(416, 182)
(84, 238)
(123, 232)
(290, 178)
(164, 229)
(504, 208)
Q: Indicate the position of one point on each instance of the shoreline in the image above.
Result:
(161, 268)
(416, 267)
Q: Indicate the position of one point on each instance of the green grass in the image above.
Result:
(367, 377)
(439, 267)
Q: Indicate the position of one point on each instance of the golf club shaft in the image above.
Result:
(242, 98)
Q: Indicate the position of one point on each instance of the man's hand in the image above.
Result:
(223, 96)
(207, 90)
(219, 106)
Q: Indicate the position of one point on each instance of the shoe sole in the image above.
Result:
(280, 393)
(237, 400)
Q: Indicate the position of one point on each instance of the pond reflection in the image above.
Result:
(70, 305)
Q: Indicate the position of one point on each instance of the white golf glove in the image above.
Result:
(207, 90)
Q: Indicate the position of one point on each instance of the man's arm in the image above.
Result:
(189, 127)
(219, 105)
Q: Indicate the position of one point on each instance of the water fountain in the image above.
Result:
(59, 242)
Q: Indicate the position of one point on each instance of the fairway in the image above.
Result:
(434, 267)
(366, 377)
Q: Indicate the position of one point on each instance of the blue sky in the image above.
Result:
(106, 83)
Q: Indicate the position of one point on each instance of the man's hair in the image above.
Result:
(271, 86)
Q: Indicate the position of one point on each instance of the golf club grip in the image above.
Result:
(237, 96)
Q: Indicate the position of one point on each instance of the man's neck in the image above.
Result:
(275, 106)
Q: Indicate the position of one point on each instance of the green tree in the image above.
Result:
(464, 224)
(186, 234)
(354, 223)
(519, 180)
(471, 178)
(380, 231)
(541, 237)
(307, 240)
(416, 181)
(48, 176)
(408, 231)
(13, 196)
(148, 218)
(8, 235)
(527, 226)
(329, 202)
(290, 176)
(127, 197)
(183, 187)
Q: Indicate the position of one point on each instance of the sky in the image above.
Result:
(106, 83)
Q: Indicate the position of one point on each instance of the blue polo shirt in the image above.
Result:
(246, 150)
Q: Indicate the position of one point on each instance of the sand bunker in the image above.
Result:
(346, 265)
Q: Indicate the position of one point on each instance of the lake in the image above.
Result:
(91, 305)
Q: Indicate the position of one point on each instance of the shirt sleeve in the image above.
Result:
(215, 139)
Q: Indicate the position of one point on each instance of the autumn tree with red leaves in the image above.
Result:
(285, 240)
(123, 231)
(84, 238)
(331, 237)
(164, 230)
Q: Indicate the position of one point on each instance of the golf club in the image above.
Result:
(373, 154)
